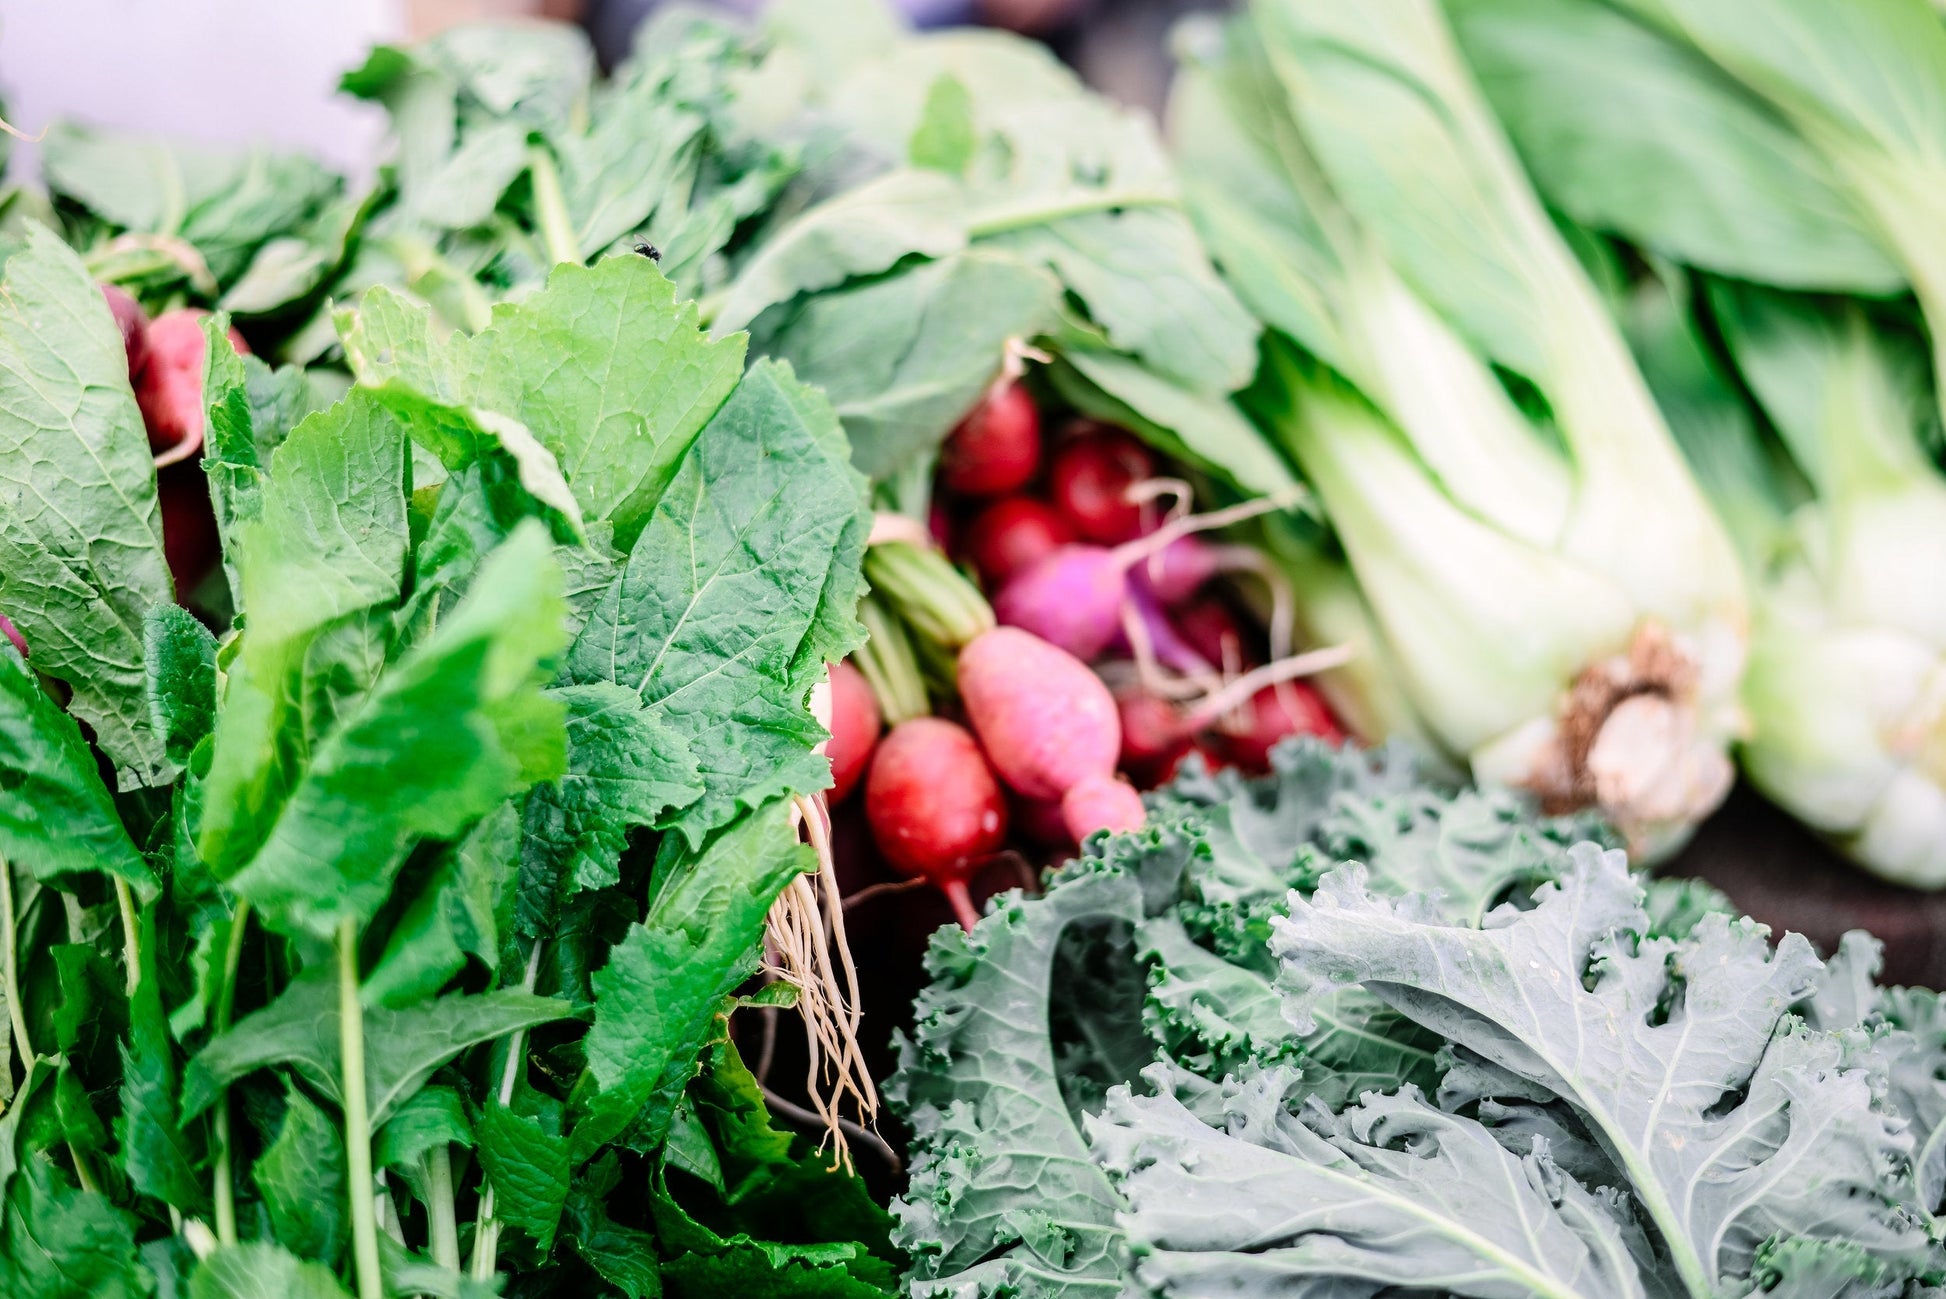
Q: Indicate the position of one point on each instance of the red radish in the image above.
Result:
(12, 633)
(1045, 720)
(854, 729)
(1294, 708)
(934, 806)
(1090, 478)
(1013, 534)
(1102, 803)
(1212, 758)
(1152, 729)
(134, 324)
(170, 387)
(939, 526)
(1212, 630)
(997, 448)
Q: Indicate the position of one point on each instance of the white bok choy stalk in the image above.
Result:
(1563, 609)
(1842, 517)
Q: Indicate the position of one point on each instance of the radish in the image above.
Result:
(854, 729)
(169, 388)
(1102, 803)
(134, 324)
(1153, 639)
(1045, 720)
(1181, 569)
(12, 633)
(935, 809)
(1075, 596)
(997, 448)
(1275, 712)
(1013, 534)
(1090, 478)
(1152, 729)
(1212, 630)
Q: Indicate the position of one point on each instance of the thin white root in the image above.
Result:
(1013, 363)
(1154, 678)
(1182, 499)
(184, 449)
(1282, 628)
(19, 134)
(864, 1136)
(800, 949)
(1240, 690)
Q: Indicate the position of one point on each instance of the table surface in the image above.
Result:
(1782, 874)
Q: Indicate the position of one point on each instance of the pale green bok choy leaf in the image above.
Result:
(1356, 190)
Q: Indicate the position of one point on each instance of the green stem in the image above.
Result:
(15, 1012)
(551, 206)
(929, 593)
(131, 935)
(889, 666)
(225, 1191)
(358, 1122)
(1019, 216)
(486, 1229)
(443, 1218)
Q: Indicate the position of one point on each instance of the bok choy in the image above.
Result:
(1840, 515)
(1563, 609)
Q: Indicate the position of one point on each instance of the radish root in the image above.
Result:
(805, 945)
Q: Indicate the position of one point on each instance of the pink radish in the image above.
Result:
(1075, 595)
(854, 729)
(1102, 803)
(1089, 480)
(997, 448)
(170, 387)
(934, 807)
(12, 633)
(1044, 719)
(133, 322)
(1013, 534)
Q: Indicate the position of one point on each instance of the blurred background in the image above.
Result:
(184, 67)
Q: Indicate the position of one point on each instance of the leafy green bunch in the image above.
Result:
(386, 940)
(1447, 375)
(1777, 166)
(1344, 1031)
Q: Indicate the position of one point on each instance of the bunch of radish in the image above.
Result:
(1097, 652)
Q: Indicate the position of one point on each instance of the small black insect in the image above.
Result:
(649, 251)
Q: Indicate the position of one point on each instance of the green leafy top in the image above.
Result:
(487, 787)
(80, 532)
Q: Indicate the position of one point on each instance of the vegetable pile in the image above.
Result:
(436, 877)
(471, 641)
(1215, 1059)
